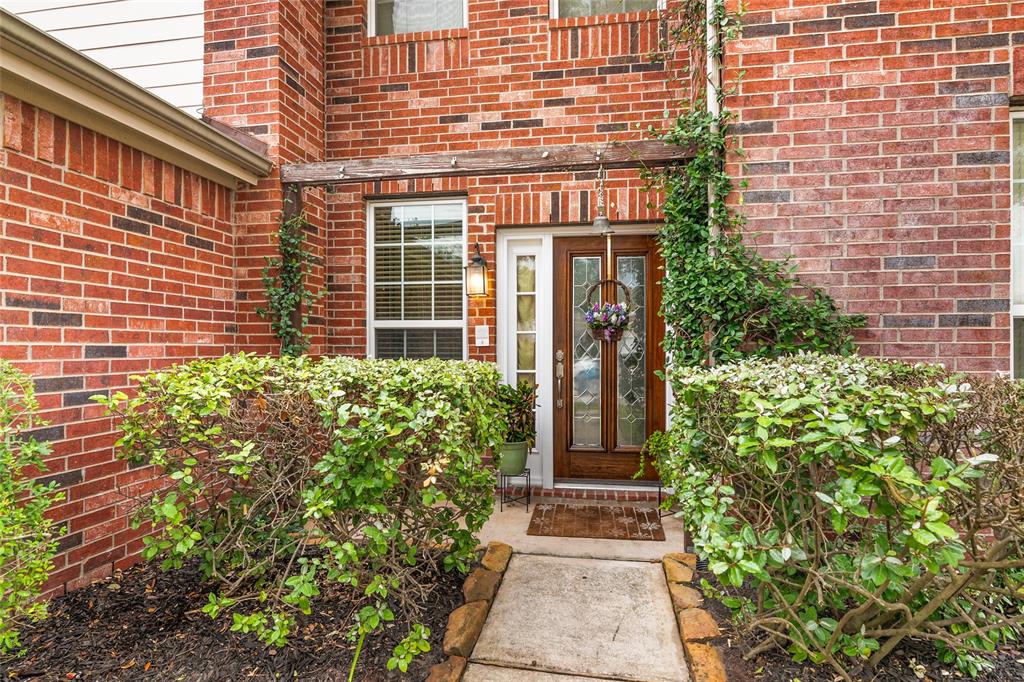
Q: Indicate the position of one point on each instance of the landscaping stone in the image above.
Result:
(676, 572)
(685, 558)
(496, 557)
(464, 626)
(696, 624)
(481, 585)
(705, 663)
(684, 597)
(449, 670)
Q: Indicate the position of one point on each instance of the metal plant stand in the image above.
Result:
(508, 498)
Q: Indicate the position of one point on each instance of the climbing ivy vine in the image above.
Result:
(288, 299)
(721, 299)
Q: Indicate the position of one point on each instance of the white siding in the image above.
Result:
(157, 44)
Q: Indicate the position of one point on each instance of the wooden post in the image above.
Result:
(292, 208)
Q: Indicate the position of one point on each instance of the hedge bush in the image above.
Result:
(27, 543)
(286, 473)
(864, 502)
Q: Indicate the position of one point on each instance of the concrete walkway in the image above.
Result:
(577, 609)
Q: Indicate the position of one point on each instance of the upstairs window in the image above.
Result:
(388, 17)
(589, 8)
(417, 305)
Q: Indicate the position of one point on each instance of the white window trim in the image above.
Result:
(371, 323)
(554, 10)
(1015, 310)
(371, 19)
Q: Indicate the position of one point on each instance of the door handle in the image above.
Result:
(559, 377)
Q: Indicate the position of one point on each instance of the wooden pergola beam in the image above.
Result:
(509, 161)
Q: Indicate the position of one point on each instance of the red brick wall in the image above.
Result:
(112, 262)
(514, 77)
(264, 74)
(877, 153)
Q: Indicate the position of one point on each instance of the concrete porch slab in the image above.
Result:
(510, 526)
(586, 617)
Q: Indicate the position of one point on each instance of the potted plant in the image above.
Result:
(520, 403)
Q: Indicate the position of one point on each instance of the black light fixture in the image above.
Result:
(476, 275)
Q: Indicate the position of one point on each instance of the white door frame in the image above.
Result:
(538, 241)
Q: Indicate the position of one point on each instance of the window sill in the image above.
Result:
(417, 37)
(603, 19)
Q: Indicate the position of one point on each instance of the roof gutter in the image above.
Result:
(41, 70)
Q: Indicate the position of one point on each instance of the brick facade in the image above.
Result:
(513, 77)
(876, 138)
(877, 154)
(112, 263)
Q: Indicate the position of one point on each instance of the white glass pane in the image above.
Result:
(419, 343)
(418, 221)
(417, 302)
(526, 274)
(387, 264)
(526, 313)
(387, 304)
(387, 223)
(1017, 235)
(586, 357)
(407, 16)
(448, 301)
(448, 262)
(526, 351)
(587, 8)
(631, 379)
(419, 263)
(448, 222)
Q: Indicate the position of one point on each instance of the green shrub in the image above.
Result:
(864, 501)
(27, 545)
(288, 473)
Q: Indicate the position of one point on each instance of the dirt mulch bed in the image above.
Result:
(912, 661)
(138, 626)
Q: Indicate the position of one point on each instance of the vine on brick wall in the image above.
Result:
(721, 299)
(288, 299)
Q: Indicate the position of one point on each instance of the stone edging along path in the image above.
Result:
(696, 625)
(466, 622)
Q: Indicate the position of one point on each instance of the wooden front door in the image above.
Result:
(607, 397)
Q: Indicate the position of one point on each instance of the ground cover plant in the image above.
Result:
(27, 537)
(285, 475)
(857, 502)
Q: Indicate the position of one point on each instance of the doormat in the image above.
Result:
(603, 522)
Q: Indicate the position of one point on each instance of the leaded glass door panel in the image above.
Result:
(607, 396)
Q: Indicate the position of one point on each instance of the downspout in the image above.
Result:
(712, 96)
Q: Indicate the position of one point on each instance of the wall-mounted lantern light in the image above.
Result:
(476, 275)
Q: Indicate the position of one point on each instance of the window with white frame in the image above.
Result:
(1017, 246)
(388, 17)
(417, 307)
(589, 8)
